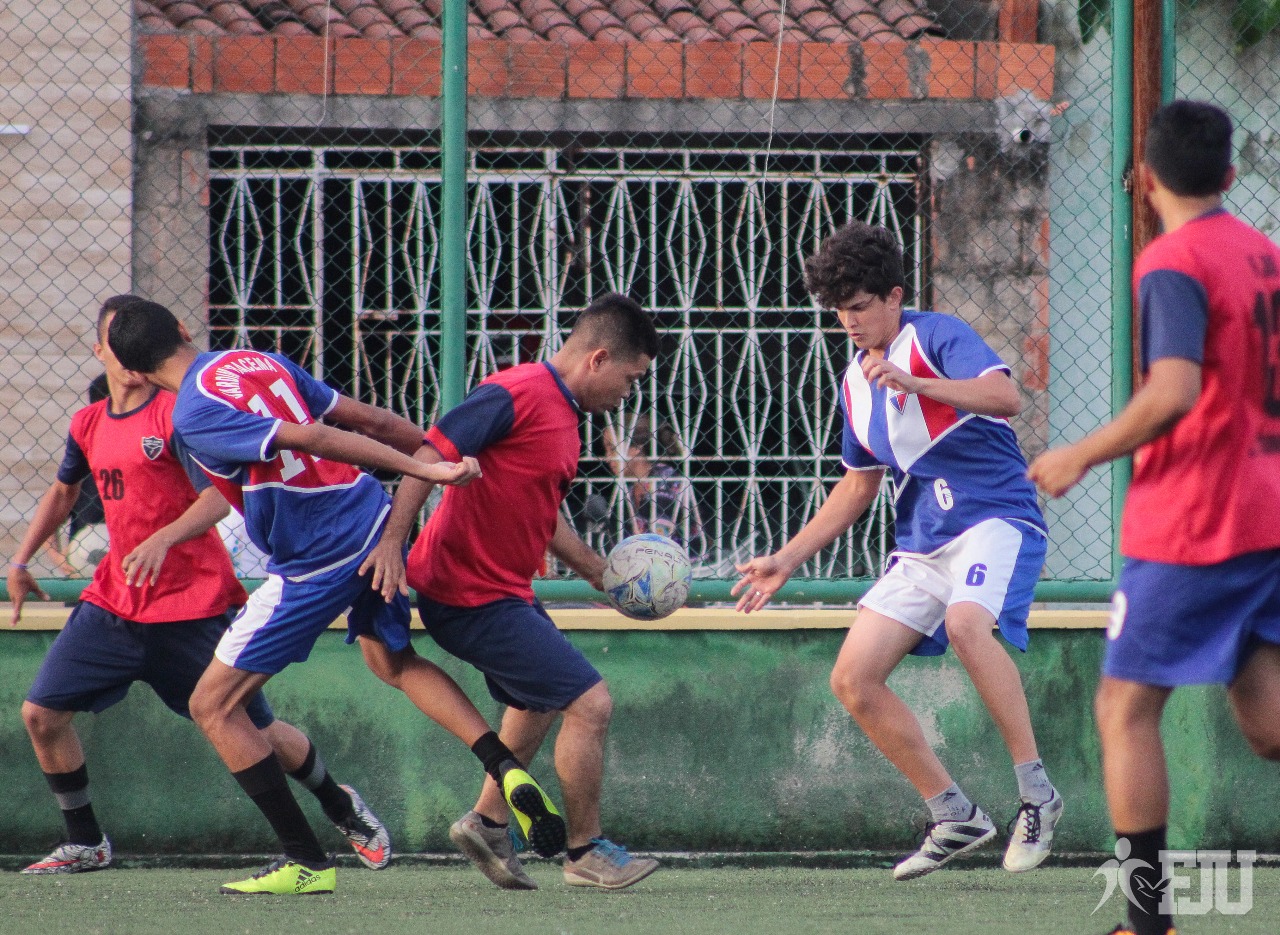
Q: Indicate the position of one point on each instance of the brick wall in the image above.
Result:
(874, 70)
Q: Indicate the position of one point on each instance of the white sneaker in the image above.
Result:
(74, 858)
(1032, 834)
(944, 842)
(492, 852)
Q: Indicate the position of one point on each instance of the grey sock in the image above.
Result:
(1033, 782)
(950, 805)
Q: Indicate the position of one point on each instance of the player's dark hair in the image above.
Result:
(619, 324)
(1188, 147)
(113, 305)
(858, 257)
(98, 388)
(143, 335)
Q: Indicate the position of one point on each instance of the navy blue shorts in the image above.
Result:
(285, 617)
(98, 655)
(527, 662)
(1192, 624)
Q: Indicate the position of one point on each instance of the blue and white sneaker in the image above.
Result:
(607, 866)
(944, 842)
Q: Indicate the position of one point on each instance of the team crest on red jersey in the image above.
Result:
(152, 447)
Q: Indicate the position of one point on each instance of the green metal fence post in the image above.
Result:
(1168, 51)
(1121, 247)
(453, 209)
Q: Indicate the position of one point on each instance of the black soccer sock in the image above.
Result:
(495, 756)
(490, 823)
(333, 799)
(575, 853)
(72, 792)
(264, 782)
(1147, 882)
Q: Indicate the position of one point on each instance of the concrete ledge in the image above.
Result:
(44, 616)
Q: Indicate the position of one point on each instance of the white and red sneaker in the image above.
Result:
(366, 834)
(74, 858)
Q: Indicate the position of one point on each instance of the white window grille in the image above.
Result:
(332, 255)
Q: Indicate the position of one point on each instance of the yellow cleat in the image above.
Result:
(541, 824)
(284, 877)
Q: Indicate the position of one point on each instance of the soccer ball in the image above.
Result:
(647, 577)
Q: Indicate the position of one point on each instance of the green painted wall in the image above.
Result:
(720, 741)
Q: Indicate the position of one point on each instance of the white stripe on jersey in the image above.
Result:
(282, 485)
(908, 430)
(262, 604)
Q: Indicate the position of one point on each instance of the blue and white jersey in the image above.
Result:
(308, 515)
(951, 469)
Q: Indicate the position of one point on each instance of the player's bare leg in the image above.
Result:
(61, 757)
(579, 758)
(580, 761)
(1136, 781)
(290, 744)
(53, 737)
(1255, 699)
(994, 675)
(874, 647)
(1133, 763)
(429, 687)
(438, 697)
(218, 708)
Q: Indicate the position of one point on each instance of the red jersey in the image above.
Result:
(144, 487)
(1209, 489)
(487, 540)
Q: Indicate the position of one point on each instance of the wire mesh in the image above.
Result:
(272, 172)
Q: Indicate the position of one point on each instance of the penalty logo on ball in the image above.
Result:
(647, 577)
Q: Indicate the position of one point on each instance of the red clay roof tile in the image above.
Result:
(567, 21)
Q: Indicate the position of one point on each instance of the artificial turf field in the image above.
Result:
(455, 899)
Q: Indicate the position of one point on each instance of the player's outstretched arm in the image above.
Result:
(386, 561)
(992, 394)
(1171, 390)
(381, 425)
(763, 575)
(54, 508)
(325, 441)
(143, 563)
(569, 547)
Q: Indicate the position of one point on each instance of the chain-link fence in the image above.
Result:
(272, 171)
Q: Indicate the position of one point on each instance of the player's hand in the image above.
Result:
(386, 561)
(142, 565)
(21, 584)
(880, 373)
(454, 474)
(1057, 471)
(762, 576)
